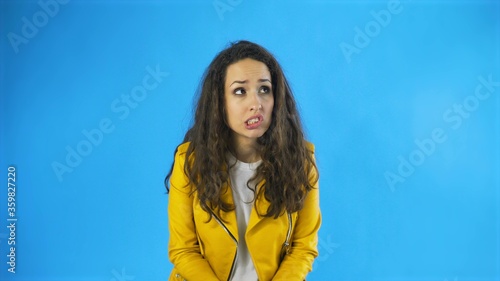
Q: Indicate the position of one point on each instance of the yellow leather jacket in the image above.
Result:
(281, 249)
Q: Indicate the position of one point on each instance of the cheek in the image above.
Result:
(231, 112)
(270, 106)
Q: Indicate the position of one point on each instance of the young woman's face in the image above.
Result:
(249, 99)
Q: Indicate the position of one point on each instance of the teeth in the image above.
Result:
(253, 121)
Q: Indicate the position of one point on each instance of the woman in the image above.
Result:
(244, 202)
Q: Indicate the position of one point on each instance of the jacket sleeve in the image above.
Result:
(298, 262)
(183, 249)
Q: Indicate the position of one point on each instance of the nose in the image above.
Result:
(255, 103)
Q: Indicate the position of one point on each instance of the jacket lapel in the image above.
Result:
(229, 218)
(262, 205)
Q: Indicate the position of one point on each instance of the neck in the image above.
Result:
(246, 150)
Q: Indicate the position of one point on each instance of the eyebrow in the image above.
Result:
(243, 82)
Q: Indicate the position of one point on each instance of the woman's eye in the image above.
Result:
(239, 91)
(265, 90)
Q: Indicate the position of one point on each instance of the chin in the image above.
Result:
(257, 135)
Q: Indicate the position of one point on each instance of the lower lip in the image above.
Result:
(254, 125)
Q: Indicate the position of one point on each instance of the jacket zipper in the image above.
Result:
(231, 272)
(286, 245)
(289, 229)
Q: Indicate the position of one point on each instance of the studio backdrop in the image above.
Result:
(400, 98)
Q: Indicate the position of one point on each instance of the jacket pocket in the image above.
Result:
(176, 276)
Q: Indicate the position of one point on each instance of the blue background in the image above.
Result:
(365, 112)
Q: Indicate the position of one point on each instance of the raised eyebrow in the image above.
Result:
(239, 82)
(264, 80)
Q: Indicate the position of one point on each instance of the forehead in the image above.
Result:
(247, 69)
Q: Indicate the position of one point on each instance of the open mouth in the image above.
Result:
(253, 121)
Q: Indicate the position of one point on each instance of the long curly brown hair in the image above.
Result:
(287, 171)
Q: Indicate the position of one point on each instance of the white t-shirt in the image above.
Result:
(240, 173)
